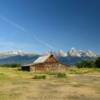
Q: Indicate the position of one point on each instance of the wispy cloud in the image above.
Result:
(43, 42)
(21, 28)
(12, 23)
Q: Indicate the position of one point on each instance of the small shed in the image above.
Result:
(45, 63)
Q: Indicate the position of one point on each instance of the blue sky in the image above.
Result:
(41, 25)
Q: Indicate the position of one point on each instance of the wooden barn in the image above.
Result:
(45, 63)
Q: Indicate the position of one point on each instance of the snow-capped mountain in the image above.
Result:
(80, 53)
(13, 53)
(18, 56)
(88, 53)
(59, 53)
(71, 57)
(74, 52)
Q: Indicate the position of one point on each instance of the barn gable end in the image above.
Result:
(51, 59)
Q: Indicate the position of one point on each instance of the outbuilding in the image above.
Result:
(45, 63)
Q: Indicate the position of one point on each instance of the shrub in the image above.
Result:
(97, 62)
(86, 64)
(61, 75)
(39, 77)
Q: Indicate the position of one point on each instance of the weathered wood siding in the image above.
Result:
(48, 67)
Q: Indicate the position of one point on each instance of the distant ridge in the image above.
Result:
(70, 57)
(75, 53)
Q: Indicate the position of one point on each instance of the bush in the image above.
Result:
(97, 62)
(61, 75)
(86, 64)
(39, 77)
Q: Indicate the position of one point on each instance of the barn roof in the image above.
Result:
(41, 59)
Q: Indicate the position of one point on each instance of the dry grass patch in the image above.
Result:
(18, 85)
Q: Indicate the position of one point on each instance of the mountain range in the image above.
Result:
(75, 53)
(72, 56)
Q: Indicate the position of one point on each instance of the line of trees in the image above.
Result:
(89, 64)
(10, 65)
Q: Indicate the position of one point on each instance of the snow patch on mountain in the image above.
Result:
(14, 53)
(72, 53)
(80, 53)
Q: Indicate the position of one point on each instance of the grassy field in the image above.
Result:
(79, 84)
